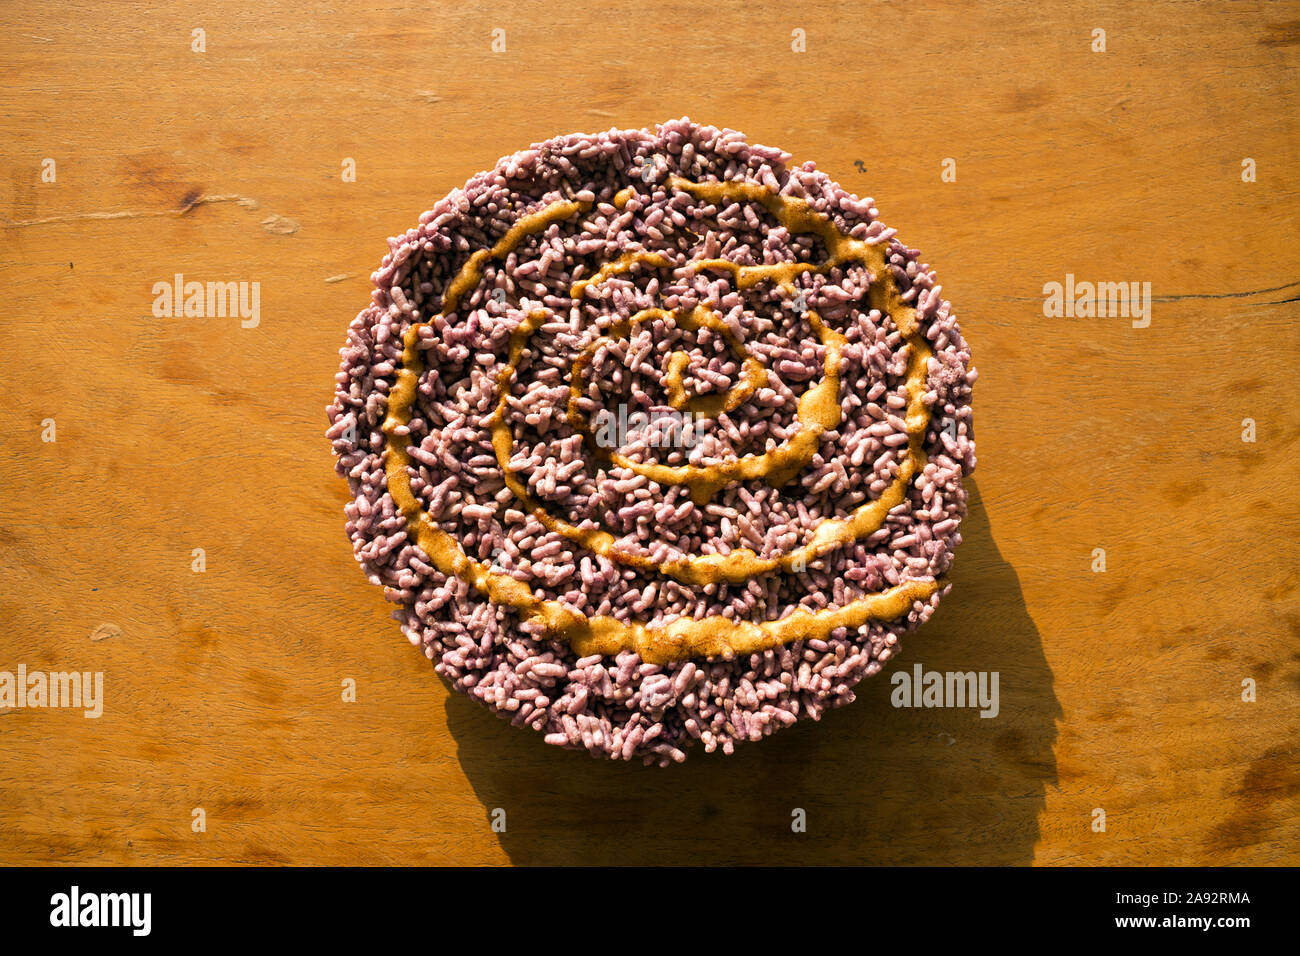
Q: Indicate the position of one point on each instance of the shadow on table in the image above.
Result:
(877, 784)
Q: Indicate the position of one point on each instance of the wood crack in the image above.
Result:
(244, 201)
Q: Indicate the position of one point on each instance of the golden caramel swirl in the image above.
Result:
(818, 411)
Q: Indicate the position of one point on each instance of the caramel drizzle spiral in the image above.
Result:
(818, 411)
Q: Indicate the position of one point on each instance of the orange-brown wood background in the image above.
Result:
(1119, 690)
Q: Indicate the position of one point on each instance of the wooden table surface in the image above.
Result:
(1120, 691)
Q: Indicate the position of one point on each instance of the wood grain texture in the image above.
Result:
(1119, 691)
